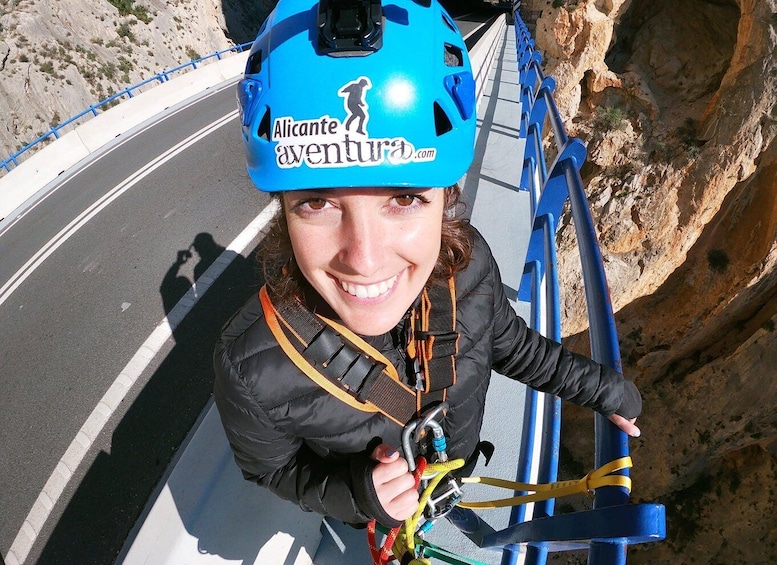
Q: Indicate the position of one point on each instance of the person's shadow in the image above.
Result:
(175, 284)
(162, 409)
(228, 516)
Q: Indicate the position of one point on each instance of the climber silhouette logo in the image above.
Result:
(356, 107)
(327, 142)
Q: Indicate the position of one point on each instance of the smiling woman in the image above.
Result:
(366, 252)
(445, 239)
(381, 301)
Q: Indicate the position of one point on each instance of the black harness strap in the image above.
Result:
(346, 363)
(353, 366)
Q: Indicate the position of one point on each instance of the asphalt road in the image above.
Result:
(70, 325)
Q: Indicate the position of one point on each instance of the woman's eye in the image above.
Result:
(405, 199)
(313, 204)
(316, 203)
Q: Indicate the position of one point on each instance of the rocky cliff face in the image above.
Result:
(677, 102)
(59, 56)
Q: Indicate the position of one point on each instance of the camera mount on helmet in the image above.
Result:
(348, 28)
(357, 93)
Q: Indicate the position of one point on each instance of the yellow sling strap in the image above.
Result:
(435, 472)
(597, 478)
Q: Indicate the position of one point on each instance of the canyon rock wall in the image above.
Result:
(677, 103)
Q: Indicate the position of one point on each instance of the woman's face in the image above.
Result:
(367, 252)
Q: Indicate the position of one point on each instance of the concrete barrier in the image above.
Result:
(483, 52)
(36, 175)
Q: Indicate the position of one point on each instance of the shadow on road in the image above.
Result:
(107, 502)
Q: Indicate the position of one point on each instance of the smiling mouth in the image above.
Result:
(370, 290)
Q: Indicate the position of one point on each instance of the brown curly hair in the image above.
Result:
(285, 280)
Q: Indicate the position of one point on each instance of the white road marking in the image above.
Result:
(69, 230)
(100, 153)
(465, 37)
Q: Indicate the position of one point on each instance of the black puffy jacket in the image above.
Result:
(307, 446)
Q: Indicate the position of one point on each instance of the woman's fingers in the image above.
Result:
(627, 426)
(394, 484)
(384, 453)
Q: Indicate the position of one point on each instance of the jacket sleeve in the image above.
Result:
(543, 364)
(278, 460)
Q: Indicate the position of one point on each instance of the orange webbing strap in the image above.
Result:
(434, 341)
(341, 357)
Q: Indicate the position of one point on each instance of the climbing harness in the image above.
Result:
(406, 541)
(347, 367)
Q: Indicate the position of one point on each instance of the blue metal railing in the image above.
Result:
(14, 159)
(613, 524)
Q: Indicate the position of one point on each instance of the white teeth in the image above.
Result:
(369, 291)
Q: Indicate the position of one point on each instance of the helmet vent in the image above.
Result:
(442, 123)
(264, 126)
(447, 21)
(254, 63)
(453, 56)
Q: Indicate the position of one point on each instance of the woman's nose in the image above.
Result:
(363, 245)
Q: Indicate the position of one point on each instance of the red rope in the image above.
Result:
(381, 556)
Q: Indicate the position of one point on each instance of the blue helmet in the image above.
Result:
(352, 93)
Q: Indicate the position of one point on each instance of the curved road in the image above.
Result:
(86, 276)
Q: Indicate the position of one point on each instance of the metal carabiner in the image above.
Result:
(414, 431)
(407, 445)
(429, 420)
(438, 434)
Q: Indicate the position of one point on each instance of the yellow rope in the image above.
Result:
(436, 472)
